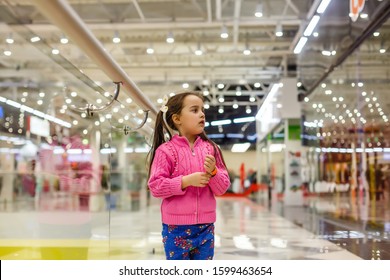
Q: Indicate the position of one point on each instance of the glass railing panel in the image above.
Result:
(129, 201)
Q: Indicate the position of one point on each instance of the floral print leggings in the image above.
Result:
(188, 242)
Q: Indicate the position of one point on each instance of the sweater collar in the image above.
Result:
(183, 141)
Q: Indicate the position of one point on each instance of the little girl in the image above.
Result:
(187, 172)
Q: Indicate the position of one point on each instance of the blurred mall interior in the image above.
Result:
(295, 97)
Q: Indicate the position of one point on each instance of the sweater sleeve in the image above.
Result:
(220, 183)
(160, 182)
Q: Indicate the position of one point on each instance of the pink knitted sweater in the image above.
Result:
(193, 205)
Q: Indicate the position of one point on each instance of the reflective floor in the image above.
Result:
(336, 227)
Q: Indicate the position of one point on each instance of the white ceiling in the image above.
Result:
(197, 23)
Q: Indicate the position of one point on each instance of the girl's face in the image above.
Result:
(191, 120)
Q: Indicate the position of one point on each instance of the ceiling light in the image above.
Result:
(257, 85)
(300, 45)
(7, 53)
(322, 7)
(235, 105)
(221, 99)
(150, 50)
(206, 105)
(35, 39)
(9, 39)
(259, 10)
(312, 25)
(64, 40)
(376, 33)
(244, 120)
(252, 98)
(238, 91)
(224, 32)
(116, 38)
(247, 51)
(13, 103)
(248, 110)
(213, 136)
(221, 122)
(221, 86)
(315, 34)
(279, 30)
(170, 39)
(198, 50)
(235, 135)
(55, 51)
(185, 85)
(220, 110)
(206, 92)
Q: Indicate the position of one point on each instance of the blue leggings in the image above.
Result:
(188, 242)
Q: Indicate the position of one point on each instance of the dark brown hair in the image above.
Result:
(175, 105)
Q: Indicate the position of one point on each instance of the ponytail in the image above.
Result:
(161, 131)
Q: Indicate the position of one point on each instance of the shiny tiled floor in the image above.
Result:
(325, 228)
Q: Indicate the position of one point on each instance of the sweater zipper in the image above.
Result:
(193, 147)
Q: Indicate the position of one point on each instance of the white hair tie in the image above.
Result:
(164, 110)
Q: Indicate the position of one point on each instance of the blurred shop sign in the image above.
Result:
(39, 127)
(355, 7)
(1, 112)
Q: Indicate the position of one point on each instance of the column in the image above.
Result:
(94, 201)
(7, 176)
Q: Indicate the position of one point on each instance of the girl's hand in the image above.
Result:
(209, 164)
(197, 179)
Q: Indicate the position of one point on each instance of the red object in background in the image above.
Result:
(242, 176)
(253, 188)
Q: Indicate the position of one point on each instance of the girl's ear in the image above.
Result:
(176, 119)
